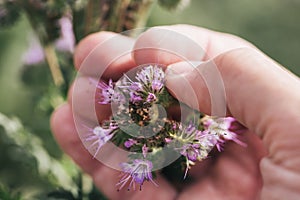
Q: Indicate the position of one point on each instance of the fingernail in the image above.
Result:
(171, 71)
(181, 68)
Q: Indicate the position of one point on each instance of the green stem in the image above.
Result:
(52, 60)
(41, 23)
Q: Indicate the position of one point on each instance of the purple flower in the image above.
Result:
(66, 42)
(168, 140)
(34, 54)
(157, 85)
(185, 134)
(134, 97)
(108, 93)
(149, 83)
(220, 127)
(136, 86)
(151, 97)
(3, 12)
(138, 172)
(152, 77)
(191, 151)
(145, 150)
(113, 124)
(190, 142)
(99, 137)
(129, 143)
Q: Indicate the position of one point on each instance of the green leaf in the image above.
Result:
(6, 194)
(30, 151)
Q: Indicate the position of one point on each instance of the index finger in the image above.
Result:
(170, 44)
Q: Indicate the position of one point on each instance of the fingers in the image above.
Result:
(65, 133)
(104, 55)
(165, 45)
(236, 77)
(170, 44)
(261, 95)
(63, 127)
(108, 55)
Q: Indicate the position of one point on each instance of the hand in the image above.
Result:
(260, 94)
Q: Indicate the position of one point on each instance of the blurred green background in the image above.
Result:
(272, 25)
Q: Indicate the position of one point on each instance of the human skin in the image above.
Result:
(263, 96)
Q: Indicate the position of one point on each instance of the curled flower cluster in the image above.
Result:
(140, 124)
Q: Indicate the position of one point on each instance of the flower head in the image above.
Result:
(152, 77)
(138, 171)
(184, 133)
(99, 136)
(140, 112)
(147, 86)
(108, 93)
(220, 128)
(191, 151)
(190, 142)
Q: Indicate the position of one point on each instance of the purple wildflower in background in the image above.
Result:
(66, 42)
(34, 54)
(3, 12)
(138, 171)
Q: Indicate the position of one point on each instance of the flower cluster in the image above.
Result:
(141, 124)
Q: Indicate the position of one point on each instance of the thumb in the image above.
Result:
(260, 94)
